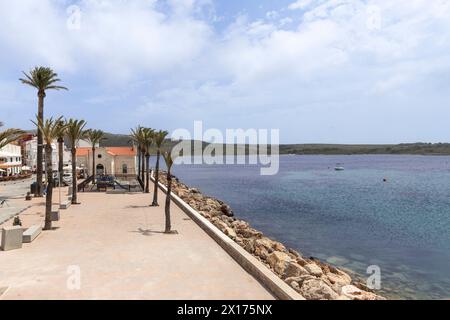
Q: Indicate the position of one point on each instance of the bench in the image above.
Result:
(11, 238)
(65, 205)
(31, 233)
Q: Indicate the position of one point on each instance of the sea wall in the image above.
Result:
(311, 278)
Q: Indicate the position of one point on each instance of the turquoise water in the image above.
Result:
(350, 218)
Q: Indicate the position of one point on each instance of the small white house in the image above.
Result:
(31, 155)
(10, 160)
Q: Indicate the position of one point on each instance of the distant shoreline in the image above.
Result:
(419, 148)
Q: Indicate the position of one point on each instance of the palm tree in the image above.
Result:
(61, 135)
(137, 136)
(148, 140)
(75, 132)
(94, 137)
(42, 79)
(159, 140)
(169, 163)
(50, 131)
(9, 135)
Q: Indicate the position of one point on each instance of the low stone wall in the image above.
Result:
(311, 278)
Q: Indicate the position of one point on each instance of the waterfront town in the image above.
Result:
(19, 159)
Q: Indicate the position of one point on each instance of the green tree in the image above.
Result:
(94, 137)
(159, 139)
(50, 129)
(75, 132)
(42, 79)
(9, 135)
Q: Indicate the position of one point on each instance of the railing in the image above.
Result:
(141, 183)
(128, 188)
(83, 184)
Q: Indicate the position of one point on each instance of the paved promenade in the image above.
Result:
(116, 243)
(9, 192)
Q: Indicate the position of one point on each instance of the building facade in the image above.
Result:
(117, 161)
(10, 160)
(31, 155)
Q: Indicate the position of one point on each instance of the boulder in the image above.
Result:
(355, 293)
(293, 269)
(341, 279)
(313, 269)
(250, 233)
(240, 225)
(230, 232)
(294, 285)
(220, 224)
(294, 254)
(316, 289)
(278, 261)
(248, 245)
(302, 262)
(300, 279)
(263, 247)
(226, 210)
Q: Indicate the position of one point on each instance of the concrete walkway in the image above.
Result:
(116, 243)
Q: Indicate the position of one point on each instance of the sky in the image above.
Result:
(320, 71)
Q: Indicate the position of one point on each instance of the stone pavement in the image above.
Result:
(112, 247)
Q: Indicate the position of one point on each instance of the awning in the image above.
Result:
(10, 165)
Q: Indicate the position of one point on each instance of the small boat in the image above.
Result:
(339, 167)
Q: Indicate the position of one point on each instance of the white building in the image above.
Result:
(31, 155)
(10, 160)
(86, 144)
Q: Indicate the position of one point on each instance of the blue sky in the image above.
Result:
(321, 71)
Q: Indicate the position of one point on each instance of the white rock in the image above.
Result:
(293, 269)
(279, 261)
(355, 293)
(314, 269)
(316, 289)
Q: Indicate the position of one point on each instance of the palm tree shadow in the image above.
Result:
(147, 232)
(137, 207)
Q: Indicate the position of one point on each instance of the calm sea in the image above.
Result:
(350, 218)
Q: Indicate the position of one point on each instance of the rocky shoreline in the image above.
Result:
(312, 278)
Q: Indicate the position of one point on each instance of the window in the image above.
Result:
(124, 169)
(99, 156)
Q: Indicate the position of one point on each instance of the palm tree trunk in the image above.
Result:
(168, 198)
(49, 195)
(147, 173)
(93, 165)
(143, 167)
(40, 142)
(61, 160)
(155, 192)
(74, 176)
(139, 162)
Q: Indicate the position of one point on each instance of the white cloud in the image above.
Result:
(300, 4)
(329, 55)
(121, 38)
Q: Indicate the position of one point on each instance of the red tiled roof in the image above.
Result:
(83, 151)
(121, 151)
(114, 151)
